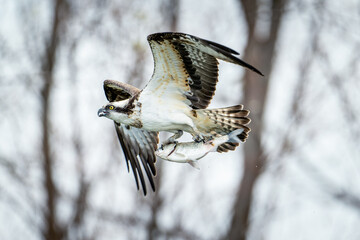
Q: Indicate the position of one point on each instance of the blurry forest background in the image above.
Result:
(62, 172)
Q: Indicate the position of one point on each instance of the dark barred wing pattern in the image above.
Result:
(199, 57)
(203, 71)
(118, 91)
(138, 145)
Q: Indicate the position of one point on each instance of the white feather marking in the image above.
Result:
(169, 77)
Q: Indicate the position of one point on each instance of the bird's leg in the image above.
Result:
(199, 138)
(173, 138)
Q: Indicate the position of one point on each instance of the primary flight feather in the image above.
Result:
(174, 100)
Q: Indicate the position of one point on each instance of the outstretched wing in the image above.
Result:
(138, 145)
(186, 67)
(118, 91)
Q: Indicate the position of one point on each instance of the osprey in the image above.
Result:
(174, 100)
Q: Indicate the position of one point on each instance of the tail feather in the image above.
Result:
(227, 120)
(226, 147)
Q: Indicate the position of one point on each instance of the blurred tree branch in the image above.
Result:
(336, 192)
(291, 143)
(52, 228)
(287, 144)
(69, 190)
(259, 51)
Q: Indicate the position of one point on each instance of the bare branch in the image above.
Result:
(338, 193)
(260, 52)
(52, 230)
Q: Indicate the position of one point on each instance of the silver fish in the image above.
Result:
(190, 152)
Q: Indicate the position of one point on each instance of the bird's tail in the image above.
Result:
(227, 120)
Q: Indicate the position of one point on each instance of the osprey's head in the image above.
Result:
(117, 111)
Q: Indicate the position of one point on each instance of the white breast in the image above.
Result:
(159, 114)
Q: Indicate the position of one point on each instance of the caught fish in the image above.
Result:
(190, 152)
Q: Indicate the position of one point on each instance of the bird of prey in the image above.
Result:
(174, 100)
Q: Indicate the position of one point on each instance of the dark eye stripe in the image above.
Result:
(119, 109)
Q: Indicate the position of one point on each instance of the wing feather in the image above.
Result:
(118, 91)
(138, 145)
(188, 64)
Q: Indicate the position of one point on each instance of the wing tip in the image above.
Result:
(110, 82)
(256, 71)
(248, 66)
(228, 52)
(164, 35)
(138, 161)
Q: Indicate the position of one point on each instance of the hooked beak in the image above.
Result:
(102, 112)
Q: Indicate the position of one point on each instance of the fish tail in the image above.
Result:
(225, 121)
(234, 136)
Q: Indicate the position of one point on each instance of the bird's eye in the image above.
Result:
(111, 107)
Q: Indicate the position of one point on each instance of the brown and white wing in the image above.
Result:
(186, 67)
(138, 145)
(118, 91)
